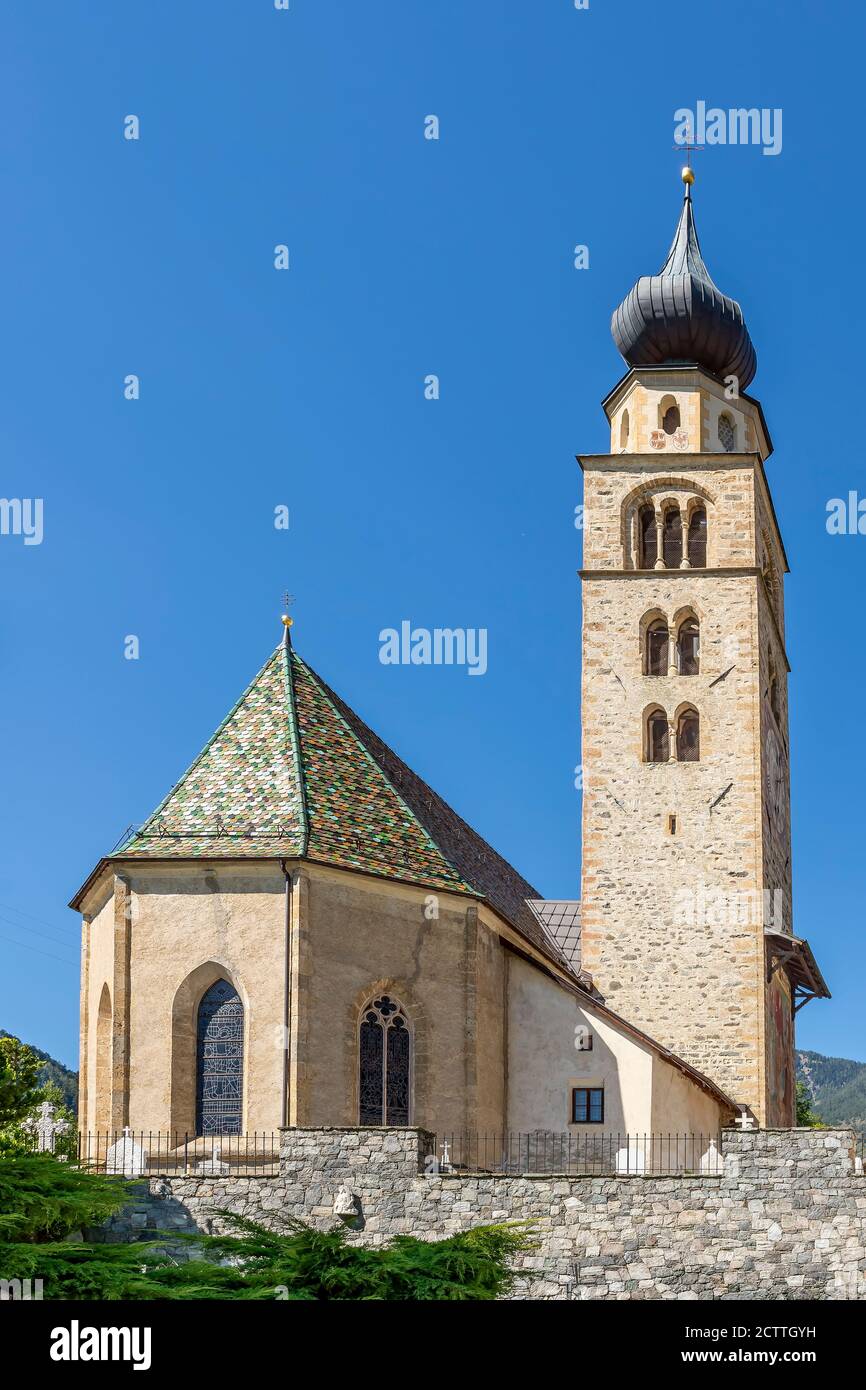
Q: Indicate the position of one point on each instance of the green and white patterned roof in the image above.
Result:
(292, 772)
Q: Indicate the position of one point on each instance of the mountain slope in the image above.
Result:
(837, 1087)
(52, 1070)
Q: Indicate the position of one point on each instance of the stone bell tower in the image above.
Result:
(687, 926)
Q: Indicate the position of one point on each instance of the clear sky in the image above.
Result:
(305, 388)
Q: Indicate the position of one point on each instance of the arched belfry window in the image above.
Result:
(698, 538)
(671, 419)
(649, 549)
(623, 429)
(727, 434)
(688, 648)
(220, 1061)
(657, 737)
(657, 638)
(385, 1064)
(688, 737)
(673, 538)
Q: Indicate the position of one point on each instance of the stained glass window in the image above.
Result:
(385, 1057)
(220, 1061)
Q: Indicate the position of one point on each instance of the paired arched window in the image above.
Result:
(219, 1061)
(657, 653)
(697, 538)
(672, 544)
(687, 738)
(385, 1064)
(727, 433)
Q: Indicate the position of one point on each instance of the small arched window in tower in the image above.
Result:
(671, 419)
(649, 551)
(658, 746)
(656, 663)
(698, 538)
(623, 429)
(688, 648)
(727, 433)
(384, 1061)
(673, 539)
(688, 737)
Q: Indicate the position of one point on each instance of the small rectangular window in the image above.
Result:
(587, 1105)
(672, 825)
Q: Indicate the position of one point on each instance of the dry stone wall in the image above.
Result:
(785, 1220)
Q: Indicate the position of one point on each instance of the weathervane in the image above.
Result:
(286, 619)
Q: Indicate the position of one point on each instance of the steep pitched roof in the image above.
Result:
(293, 772)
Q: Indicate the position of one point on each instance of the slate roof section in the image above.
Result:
(560, 919)
(293, 772)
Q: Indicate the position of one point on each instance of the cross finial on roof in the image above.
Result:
(286, 620)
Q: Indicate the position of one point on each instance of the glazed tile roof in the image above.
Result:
(293, 772)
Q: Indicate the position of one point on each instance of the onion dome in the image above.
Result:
(680, 316)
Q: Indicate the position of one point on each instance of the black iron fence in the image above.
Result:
(150, 1154)
(576, 1154)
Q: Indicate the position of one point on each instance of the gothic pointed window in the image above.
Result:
(385, 1064)
(727, 434)
(698, 538)
(688, 737)
(673, 538)
(220, 1061)
(657, 648)
(658, 737)
(648, 538)
(688, 648)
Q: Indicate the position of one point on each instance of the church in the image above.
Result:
(303, 933)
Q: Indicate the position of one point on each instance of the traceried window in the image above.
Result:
(727, 434)
(688, 648)
(657, 640)
(688, 737)
(220, 1061)
(587, 1105)
(385, 1064)
(698, 538)
(648, 538)
(673, 538)
(658, 737)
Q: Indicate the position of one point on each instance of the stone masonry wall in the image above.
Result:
(785, 1220)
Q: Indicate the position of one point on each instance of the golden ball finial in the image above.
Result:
(286, 620)
(688, 174)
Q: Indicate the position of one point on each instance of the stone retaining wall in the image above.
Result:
(786, 1219)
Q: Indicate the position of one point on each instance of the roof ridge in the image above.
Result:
(334, 701)
(295, 735)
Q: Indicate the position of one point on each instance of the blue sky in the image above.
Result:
(305, 388)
